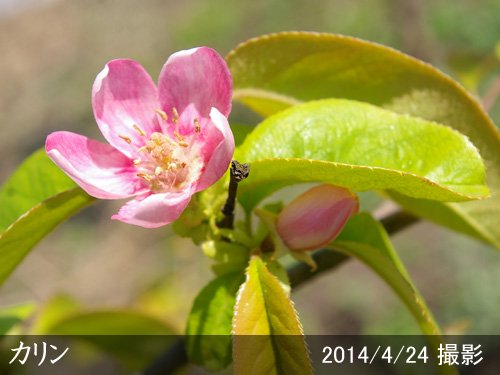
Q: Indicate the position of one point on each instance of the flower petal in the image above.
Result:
(217, 149)
(124, 95)
(155, 210)
(316, 217)
(98, 168)
(197, 76)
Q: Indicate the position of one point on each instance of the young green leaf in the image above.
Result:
(275, 71)
(450, 215)
(365, 238)
(208, 332)
(36, 180)
(267, 334)
(34, 200)
(361, 147)
(22, 235)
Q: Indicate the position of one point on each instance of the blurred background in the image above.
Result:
(51, 51)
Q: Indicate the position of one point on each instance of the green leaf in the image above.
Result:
(208, 332)
(103, 328)
(267, 334)
(361, 147)
(19, 238)
(229, 257)
(449, 215)
(34, 200)
(275, 71)
(10, 316)
(366, 239)
(36, 180)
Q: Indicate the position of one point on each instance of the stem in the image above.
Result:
(237, 174)
(175, 357)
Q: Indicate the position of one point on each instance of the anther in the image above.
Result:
(197, 127)
(162, 114)
(139, 130)
(158, 170)
(177, 135)
(175, 115)
(183, 144)
(137, 161)
(144, 177)
(126, 139)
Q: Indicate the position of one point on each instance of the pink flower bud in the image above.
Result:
(316, 217)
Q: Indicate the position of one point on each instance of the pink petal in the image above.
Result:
(124, 95)
(98, 168)
(199, 76)
(217, 149)
(316, 217)
(154, 210)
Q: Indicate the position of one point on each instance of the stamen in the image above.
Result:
(125, 138)
(175, 115)
(144, 177)
(139, 130)
(177, 135)
(163, 164)
(162, 114)
(197, 127)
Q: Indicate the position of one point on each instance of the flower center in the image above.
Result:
(168, 164)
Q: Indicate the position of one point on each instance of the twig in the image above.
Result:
(237, 174)
(175, 357)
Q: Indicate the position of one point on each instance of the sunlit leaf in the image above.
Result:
(361, 147)
(268, 336)
(275, 71)
(36, 179)
(448, 215)
(208, 332)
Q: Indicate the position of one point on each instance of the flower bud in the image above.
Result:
(316, 217)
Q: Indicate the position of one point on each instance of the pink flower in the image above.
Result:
(165, 143)
(316, 217)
